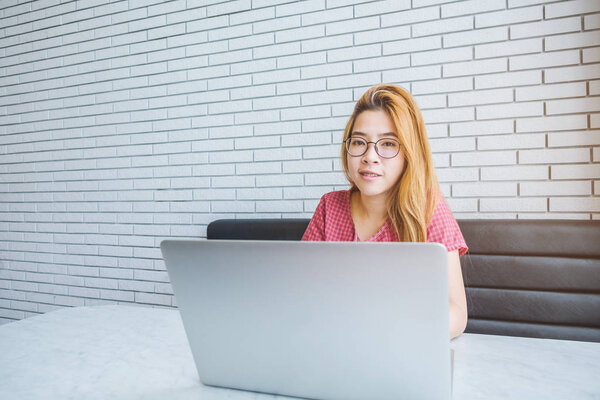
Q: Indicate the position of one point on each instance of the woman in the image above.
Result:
(394, 194)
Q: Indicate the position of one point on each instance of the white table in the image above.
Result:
(123, 352)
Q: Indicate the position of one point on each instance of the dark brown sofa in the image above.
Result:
(534, 278)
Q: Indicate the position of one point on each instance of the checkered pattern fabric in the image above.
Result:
(332, 222)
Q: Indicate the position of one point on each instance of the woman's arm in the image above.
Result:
(458, 299)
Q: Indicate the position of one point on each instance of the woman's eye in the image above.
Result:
(358, 142)
(389, 143)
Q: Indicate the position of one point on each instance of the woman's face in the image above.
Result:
(371, 173)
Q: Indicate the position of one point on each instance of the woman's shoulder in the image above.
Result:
(335, 202)
(338, 196)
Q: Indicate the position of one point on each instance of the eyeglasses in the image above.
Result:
(386, 147)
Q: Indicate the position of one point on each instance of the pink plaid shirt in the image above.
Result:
(332, 222)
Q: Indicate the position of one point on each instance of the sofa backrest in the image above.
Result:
(534, 278)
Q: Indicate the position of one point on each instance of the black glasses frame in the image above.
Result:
(347, 144)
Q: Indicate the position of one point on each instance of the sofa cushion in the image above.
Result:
(522, 277)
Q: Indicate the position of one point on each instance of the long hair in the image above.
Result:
(413, 198)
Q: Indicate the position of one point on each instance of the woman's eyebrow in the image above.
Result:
(378, 135)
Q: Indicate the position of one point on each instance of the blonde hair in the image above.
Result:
(413, 198)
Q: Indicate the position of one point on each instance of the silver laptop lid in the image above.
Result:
(322, 320)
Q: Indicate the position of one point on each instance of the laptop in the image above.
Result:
(316, 320)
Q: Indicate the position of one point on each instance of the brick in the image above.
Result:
(475, 67)
(229, 7)
(410, 74)
(381, 35)
(213, 194)
(280, 180)
(588, 171)
(574, 138)
(544, 60)
(411, 16)
(595, 121)
(442, 26)
(277, 24)
(323, 151)
(514, 204)
(575, 204)
(260, 194)
(276, 50)
(299, 7)
(517, 172)
(477, 36)
(306, 139)
(306, 166)
(252, 16)
(508, 79)
(442, 85)
(252, 41)
(492, 96)
(545, 28)
(276, 76)
(280, 154)
(252, 92)
(326, 97)
(352, 80)
(330, 69)
(229, 82)
(320, 17)
(520, 141)
(577, 188)
(452, 144)
(441, 56)
(509, 17)
(471, 7)
(279, 206)
(323, 124)
(568, 8)
(257, 142)
(569, 74)
(301, 60)
(258, 168)
(326, 43)
(554, 156)
(230, 156)
(591, 55)
(588, 104)
(306, 112)
(299, 33)
(306, 192)
(449, 115)
(591, 21)
(229, 32)
(325, 178)
(431, 101)
(350, 53)
(558, 123)
(457, 174)
(560, 90)
(513, 47)
(151, 298)
(511, 110)
(484, 189)
(484, 158)
(277, 128)
(230, 57)
(276, 102)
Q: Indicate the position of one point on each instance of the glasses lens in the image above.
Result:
(356, 146)
(387, 148)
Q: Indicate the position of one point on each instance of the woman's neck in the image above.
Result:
(373, 208)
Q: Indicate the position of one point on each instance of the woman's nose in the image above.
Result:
(371, 154)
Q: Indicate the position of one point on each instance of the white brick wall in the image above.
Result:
(125, 123)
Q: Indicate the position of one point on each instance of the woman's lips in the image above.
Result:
(368, 175)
